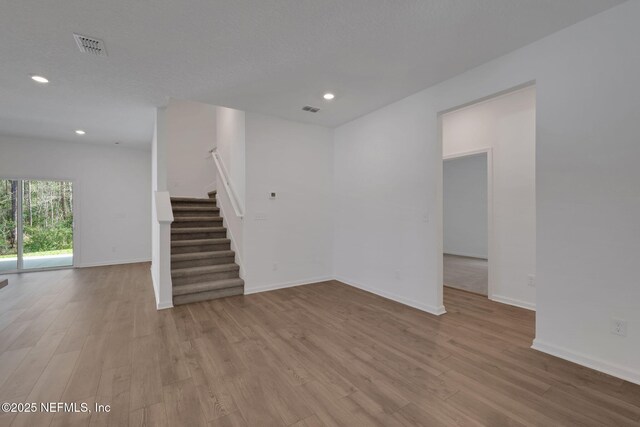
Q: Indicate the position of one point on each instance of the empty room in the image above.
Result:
(293, 213)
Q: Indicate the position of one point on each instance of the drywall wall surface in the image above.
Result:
(191, 133)
(288, 239)
(231, 148)
(465, 206)
(388, 177)
(506, 125)
(111, 191)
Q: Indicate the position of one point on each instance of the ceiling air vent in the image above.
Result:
(310, 109)
(90, 45)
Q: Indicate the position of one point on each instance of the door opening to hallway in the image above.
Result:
(489, 197)
(465, 208)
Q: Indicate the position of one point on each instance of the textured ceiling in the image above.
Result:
(270, 56)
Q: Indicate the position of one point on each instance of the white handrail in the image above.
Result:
(227, 184)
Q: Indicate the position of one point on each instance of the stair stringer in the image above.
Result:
(231, 236)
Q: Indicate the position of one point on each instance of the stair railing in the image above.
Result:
(222, 172)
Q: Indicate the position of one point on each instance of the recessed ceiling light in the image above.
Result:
(328, 96)
(80, 132)
(39, 79)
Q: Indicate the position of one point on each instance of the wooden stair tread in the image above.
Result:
(191, 200)
(197, 271)
(196, 209)
(197, 230)
(197, 218)
(208, 295)
(207, 286)
(202, 255)
(195, 242)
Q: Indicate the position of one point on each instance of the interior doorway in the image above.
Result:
(36, 225)
(466, 193)
(499, 132)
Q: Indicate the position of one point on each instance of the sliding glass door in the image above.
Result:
(8, 225)
(36, 224)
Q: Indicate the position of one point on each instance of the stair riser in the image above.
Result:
(204, 296)
(204, 223)
(200, 248)
(192, 204)
(192, 236)
(202, 262)
(208, 277)
(204, 214)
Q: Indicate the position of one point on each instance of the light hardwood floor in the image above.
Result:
(466, 273)
(323, 354)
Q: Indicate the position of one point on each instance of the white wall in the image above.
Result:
(191, 133)
(387, 225)
(230, 144)
(507, 125)
(287, 240)
(465, 206)
(231, 148)
(111, 192)
(388, 172)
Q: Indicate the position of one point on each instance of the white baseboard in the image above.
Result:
(284, 285)
(437, 311)
(164, 305)
(590, 362)
(467, 255)
(116, 262)
(514, 302)
(422, 307)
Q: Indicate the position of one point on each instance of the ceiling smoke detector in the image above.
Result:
(310, 109)
(90, 45)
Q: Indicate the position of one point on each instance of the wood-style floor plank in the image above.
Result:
(324, 354)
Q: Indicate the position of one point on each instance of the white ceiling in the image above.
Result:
(270, 56)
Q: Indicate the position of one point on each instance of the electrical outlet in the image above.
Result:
(274, 267)
(397, 274)
(619, 327)
(531, 280)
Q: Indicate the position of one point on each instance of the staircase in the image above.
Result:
(202, 263)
